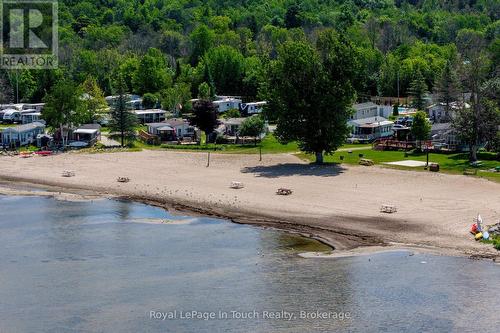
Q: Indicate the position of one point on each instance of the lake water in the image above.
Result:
(103, 266)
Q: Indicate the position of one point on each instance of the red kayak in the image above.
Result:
(44, 153)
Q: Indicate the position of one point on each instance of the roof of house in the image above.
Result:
(164, 128)
(24, 128)
(440, 127)
(150, 111)
(86, 131)
(227, 100)
(364, 105)
(89, 126)
(255, 103)
(174, 122)
(453, 105)
(371, 122)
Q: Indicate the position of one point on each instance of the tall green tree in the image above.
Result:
(421, 128)
(226, 67)
(252, 126)
(311, 93)
(176, 98)
(471, 123)
(93, 98)
(63, 107)
(6, 91)
(418, 90)
(202, 39)
(150, 101)
(123, 121)
(475, 128)
(204, 91)
(447, 86)
(153, 74)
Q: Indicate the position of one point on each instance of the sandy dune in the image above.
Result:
(338, 204)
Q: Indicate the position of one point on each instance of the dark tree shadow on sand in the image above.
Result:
(295, 169)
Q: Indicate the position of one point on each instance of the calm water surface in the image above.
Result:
(102, 266)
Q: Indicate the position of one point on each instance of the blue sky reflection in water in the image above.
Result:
(102, 266)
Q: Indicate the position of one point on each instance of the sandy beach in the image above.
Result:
(339, 205)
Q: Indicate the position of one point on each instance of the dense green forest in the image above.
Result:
(169, 47)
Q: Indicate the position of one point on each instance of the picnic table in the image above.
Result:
(388, 209)
(237, 185)
(284, 191)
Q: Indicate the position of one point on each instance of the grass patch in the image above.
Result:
(269, 145)
(495, 241)
(449, 163)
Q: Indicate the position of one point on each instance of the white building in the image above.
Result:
(150, 116)
(172, 130)
(32, 117)
(225, 103)
(438, 114)
(21, 135)
(368, 124)
(249, 109)
(14, 116)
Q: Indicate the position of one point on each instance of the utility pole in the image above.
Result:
(17, 86)
(398, 85)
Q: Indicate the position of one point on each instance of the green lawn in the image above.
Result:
(269, 145)
(449, 163)
(7, 125)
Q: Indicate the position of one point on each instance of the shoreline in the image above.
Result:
(331, 238)
(338, 206)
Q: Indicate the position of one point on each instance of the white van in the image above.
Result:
(11, 116)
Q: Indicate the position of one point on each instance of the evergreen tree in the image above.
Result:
(447, 86)
(123, 122)
(418, 90)
(395, 110)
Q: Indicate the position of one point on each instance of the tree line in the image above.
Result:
(165, 50)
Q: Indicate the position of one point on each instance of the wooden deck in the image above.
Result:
(389, 144)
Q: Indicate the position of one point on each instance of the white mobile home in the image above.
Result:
(11, 116)
(11, 106)
(31, 117)
(150, 116)
(370, 129)
(37, 107)
(249, 109)
(22, 135)
(172, 130)
(227, 103)
(366, 110)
